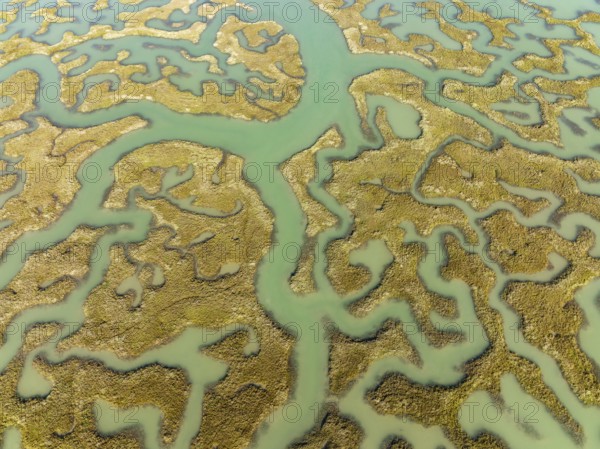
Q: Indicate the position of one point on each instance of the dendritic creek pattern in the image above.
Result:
(295, 224)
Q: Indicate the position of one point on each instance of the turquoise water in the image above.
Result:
(326, 58)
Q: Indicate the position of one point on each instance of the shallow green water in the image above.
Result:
(326, 57)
